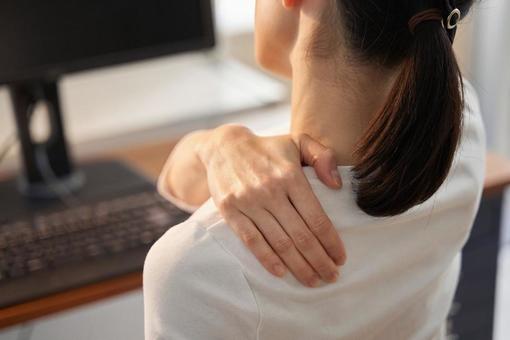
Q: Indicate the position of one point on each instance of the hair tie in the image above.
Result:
(449, 21)
(423, 16)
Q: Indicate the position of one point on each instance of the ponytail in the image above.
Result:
(409, 147)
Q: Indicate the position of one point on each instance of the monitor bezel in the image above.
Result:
(56, 71)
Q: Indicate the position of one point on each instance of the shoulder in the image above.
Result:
(192, 287)
(184, 242)
(185, 246)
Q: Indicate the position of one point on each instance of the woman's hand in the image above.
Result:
(259, 186)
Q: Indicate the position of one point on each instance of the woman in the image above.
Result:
(376, 83)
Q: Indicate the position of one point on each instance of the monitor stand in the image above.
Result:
(48, 175)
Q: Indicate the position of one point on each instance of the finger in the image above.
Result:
(284, 247)
(309, 208)
(322, 159)
(254, 240)
(306, 242)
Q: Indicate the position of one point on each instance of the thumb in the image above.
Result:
(322, 159)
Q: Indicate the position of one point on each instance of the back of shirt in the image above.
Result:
(200, 281)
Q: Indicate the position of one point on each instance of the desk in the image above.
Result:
(149, 159)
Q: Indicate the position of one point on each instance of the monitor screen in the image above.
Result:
(45, 39)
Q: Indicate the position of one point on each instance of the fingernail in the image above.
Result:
(336, 177)
(332, 277)
(314, 282)
(339, 261)
(279, 270)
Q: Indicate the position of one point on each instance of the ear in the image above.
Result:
(291, 4)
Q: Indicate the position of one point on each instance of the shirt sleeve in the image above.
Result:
(165, 192)
(194, 289)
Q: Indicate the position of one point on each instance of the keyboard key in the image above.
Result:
(94, 250)
(146, 237)
(159, 216)
(35, 264)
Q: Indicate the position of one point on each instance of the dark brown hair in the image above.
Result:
(408, 149)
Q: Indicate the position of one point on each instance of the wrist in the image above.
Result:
(218, 137)
(184, 177)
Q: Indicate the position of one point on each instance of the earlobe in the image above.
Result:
(290, 4)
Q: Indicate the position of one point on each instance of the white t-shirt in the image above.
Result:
(201, 282)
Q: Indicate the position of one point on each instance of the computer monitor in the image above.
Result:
(47, 39)
(43, 41)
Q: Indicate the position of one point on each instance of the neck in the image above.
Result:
(334, 102)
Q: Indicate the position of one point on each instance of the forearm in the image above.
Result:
(184, 176)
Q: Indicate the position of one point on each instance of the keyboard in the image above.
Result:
(54, 251)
